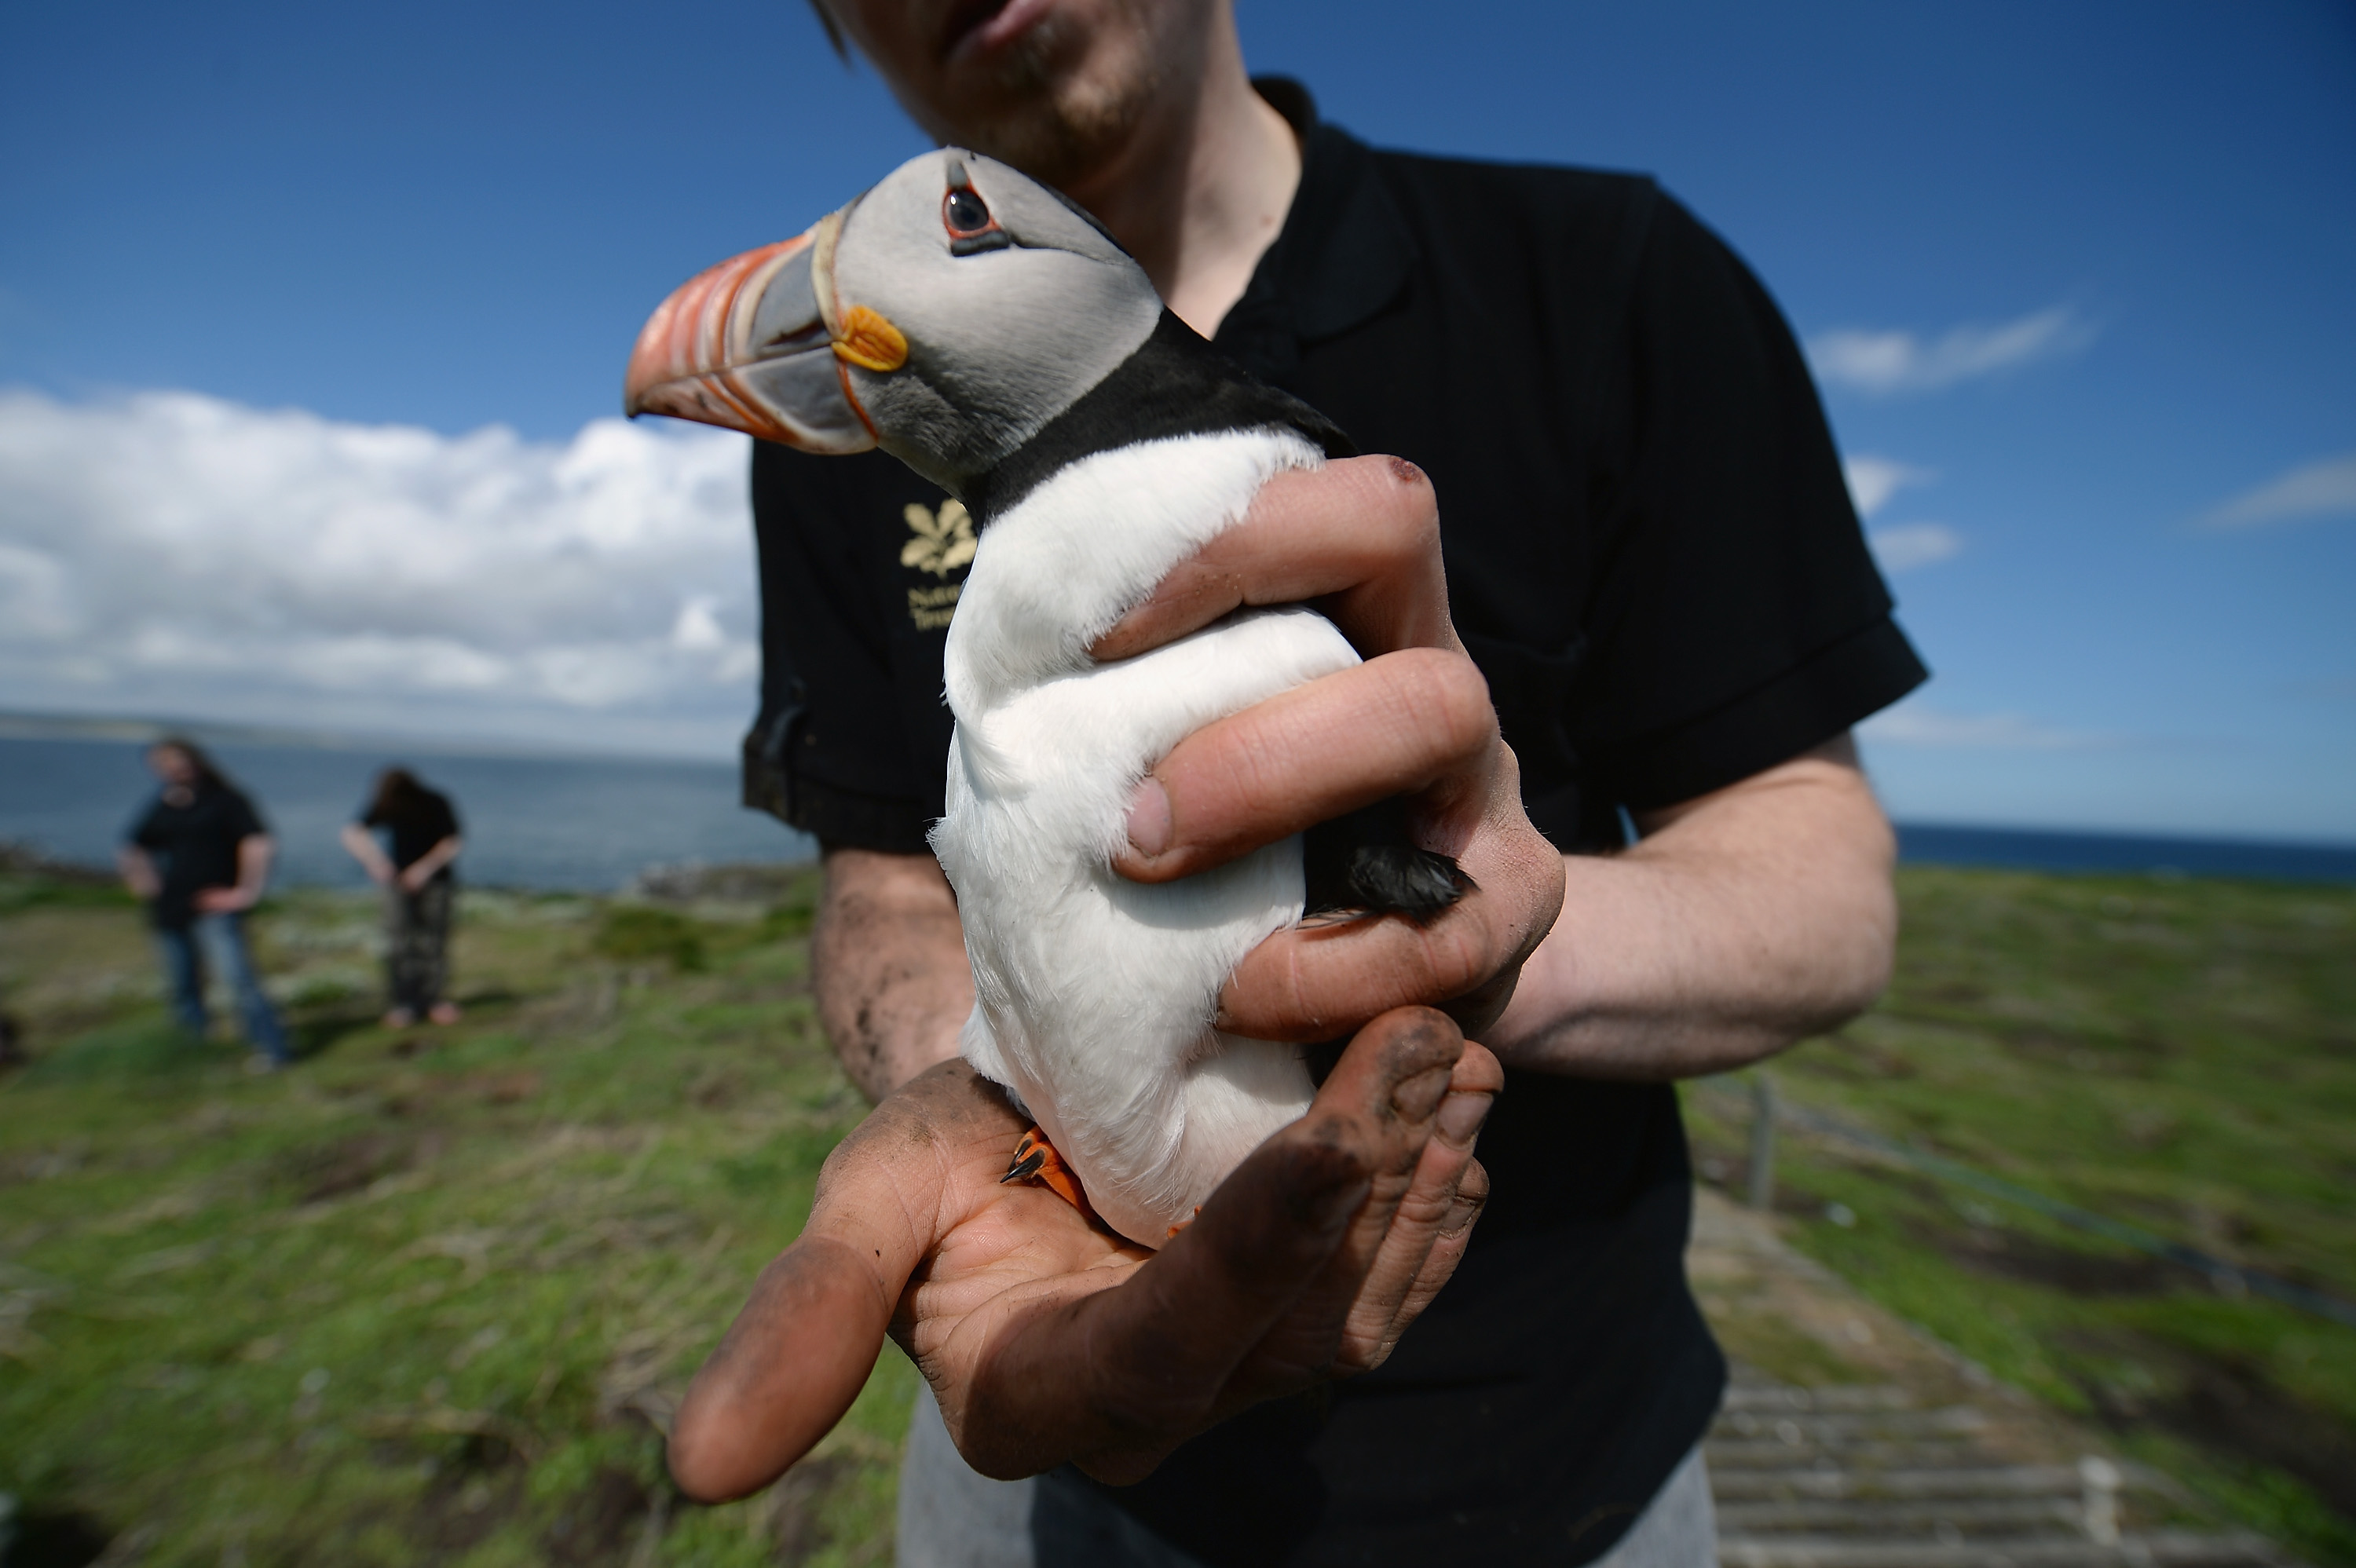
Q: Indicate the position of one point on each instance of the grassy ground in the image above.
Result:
(429, 1295)
(2180, 1055)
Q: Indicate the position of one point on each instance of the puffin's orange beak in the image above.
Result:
(750, 345)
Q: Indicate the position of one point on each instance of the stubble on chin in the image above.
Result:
(1060, 115)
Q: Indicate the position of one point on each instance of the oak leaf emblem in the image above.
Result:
(943, 542)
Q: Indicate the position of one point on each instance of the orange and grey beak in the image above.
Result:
(757, 345)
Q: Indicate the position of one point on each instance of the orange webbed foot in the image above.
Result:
(1036, 1162)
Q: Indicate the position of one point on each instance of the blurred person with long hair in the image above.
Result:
(420, 832)
(199, 858)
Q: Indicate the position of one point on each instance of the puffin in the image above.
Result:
(988, 333)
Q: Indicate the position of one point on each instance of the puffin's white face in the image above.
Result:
(947, 315)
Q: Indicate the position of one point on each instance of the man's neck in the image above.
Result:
(1202, 189)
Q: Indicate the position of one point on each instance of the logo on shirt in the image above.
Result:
(943, 541)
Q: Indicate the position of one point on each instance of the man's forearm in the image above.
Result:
(889, 967)
(1741, 922)
(254, 853)
(362, 847)
(427, 866)
(138, 871)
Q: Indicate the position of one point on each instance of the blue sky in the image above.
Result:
(2075, 277)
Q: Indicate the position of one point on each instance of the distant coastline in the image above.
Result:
(2063, 850)
(559, 819)
(532, 820)
(143, 730)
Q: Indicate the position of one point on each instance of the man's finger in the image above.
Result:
(1389, 727)
(1361, 537)
(1452, 1235)
(1432, 1215)
(1395, 1078)
(788, 1367)
(1117, 1377)
(1161, 1348)
(1315, 982)
(800, 1352)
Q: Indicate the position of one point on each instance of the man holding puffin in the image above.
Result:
(1618, 620)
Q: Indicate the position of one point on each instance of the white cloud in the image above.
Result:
(2324, 489)
(1872, 481)
(175, 552)
(1911, 724)
(1884, 362)
(1903, 547)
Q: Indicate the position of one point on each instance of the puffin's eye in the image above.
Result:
(963, 212)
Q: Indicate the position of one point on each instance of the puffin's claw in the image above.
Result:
(1036, 1161)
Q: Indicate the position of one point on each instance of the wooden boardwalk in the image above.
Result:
(1874, 1449)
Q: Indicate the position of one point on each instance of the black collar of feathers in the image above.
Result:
(1175, 384)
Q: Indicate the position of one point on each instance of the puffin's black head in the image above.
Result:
(947, 316)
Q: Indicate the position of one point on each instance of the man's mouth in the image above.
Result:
(974, 27)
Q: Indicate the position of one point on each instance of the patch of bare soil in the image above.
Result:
(793, 1506)
(469, 1497)
(352, 1164)
(601, 1524)
(2010, 1256)
(2230, 1408)
(2126, 1055)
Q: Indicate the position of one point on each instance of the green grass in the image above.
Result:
(427, 1298)
(429, 1295)
(2177, 1054)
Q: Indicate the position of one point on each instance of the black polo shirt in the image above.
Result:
(1653, 557)
(424, 819)
(194, 846)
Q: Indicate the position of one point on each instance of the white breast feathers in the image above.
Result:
(1093, 994)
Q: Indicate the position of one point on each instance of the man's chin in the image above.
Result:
(1057, 103)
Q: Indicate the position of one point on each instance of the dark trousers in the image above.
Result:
(417, 943)
(219, 938)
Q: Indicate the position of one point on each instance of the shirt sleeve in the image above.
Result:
(145, 831)
(239, 820)
(1738, 619)
(852, 738)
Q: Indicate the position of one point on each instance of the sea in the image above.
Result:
(595, 824)
(586, 824)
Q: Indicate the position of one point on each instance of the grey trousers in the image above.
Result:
(417, 944)
(952, 1517)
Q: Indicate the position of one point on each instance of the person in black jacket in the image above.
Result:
(421, 886)
(1619, 620)
(199, 858)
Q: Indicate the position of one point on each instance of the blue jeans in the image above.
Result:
(219, 938)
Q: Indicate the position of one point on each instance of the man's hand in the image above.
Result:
(1048, 1338)
(361, 844)
(253, 855)
(1360, 540)
(428, 866)
(138, 872)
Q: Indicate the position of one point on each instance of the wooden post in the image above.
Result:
(2101, 1503)
(1762, 1139)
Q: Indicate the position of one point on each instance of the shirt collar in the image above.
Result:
(1343, 254)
